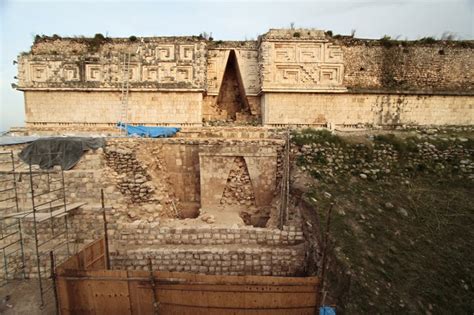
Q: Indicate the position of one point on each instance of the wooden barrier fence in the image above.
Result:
(85, 287)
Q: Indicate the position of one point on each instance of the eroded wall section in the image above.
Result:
(350, 110)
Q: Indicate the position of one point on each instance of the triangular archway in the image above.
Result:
(232, 97)
(239, 188)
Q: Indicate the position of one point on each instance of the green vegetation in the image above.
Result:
(401, 244)
(308, 136)
(387, 41)
(403, 146)
(427, 40)
(93, 43)
(406, 257)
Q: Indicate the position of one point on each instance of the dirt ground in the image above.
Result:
(25, 298)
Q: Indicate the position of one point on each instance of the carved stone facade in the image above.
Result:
(155, 64)
(287, 76)
(303, 62)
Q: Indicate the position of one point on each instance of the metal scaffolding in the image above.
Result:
(49, 212)
(34, 224)
(11, 238)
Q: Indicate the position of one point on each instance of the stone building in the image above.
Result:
(299, 77)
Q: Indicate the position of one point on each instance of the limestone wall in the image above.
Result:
(351, 110)
(151, 108)
(233, 260)
(210, 250)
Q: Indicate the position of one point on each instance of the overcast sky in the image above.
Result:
(233, 20)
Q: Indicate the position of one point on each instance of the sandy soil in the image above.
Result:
(25, 298)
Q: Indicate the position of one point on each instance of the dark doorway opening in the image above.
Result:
(231, 99)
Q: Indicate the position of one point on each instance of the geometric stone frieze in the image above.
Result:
(93, 72)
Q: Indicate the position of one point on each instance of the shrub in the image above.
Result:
(427, 40)
(99, 37)
(309, 135)
(387, 41)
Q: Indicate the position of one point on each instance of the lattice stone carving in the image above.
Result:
(93, 72)
(186, 52)
(333, 53)
(167, 73)
(150, 73)
(184, 73)
(38, 72)
(310, 52)
(301, 65)
(288, 74)
(285, 52)
(331, 74)
(165, 52)
(70, 73)
(134, 73)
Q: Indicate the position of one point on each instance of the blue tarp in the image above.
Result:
(327, 310)
(151, 132)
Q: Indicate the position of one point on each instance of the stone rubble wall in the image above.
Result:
(132, 178)
(441, 66)
(384, 156)
(238, 189)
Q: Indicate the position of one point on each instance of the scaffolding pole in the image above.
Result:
(285, 183)
(44, 201)
(11, 236)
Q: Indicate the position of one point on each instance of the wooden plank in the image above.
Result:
(141, 296)
(77, 298)
(179, 310)
(110, 297)
(240, 288)
(237, 300)
(43, 216)
(100, 291)
(222, 279)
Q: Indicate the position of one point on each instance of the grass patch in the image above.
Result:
(309, 136)
(404, 263)
(406, 237)
(401, 145)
